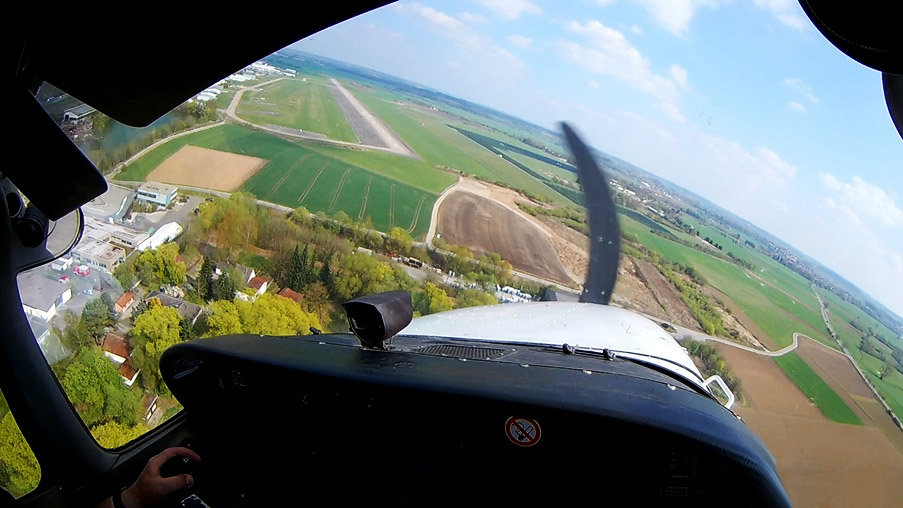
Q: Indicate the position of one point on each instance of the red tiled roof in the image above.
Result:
(125, 299)
(116, 344)
(257, 282)
(289, 293)
(127, 371)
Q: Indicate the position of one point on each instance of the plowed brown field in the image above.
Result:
(485, 225)
(822, 463)
(202, 167)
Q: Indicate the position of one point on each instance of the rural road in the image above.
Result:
(395, 146)
(434, 217)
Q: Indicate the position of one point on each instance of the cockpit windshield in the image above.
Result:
(753, 169)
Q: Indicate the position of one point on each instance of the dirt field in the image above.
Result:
(822, 464)
(488, 226)
(836, 370)
(203, 167)
(631, 293)
(666, 295)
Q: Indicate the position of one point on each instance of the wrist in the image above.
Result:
(129, 498)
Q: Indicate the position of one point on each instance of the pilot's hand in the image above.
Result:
(152, 489)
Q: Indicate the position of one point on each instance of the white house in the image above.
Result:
(42, 297)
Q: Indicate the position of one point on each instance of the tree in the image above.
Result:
(155, 331)
(205, 279)
(272, 314)
(75, 336)
(400, 240)
(97, 316)
(125, 273)
(223, 319)
(300, 271)
(19, 469)
(224, 287)
(268, 315)
(316, 301)
(114, 434)
(160, 266)
(474, 298)
(359, 274)
(434, 299)
(94, 386)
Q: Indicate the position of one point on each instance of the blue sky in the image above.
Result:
(742, 102)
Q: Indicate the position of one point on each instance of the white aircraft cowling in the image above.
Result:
(586, 326)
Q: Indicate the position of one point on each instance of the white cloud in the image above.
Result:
(679, 75)
(636, 29)
(511, 9)
(796, 106)
(650, 127)
(675, 15)
(788, 12)
(472, 19)
(594, 85)
(859, 198)
(604, 3)
(802, 88)
(520, 41)
(762, 172)
(476, 57)
(609, 52)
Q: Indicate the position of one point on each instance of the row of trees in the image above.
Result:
(186, 116)
(715, 364)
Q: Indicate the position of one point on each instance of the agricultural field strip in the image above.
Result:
(417, 214)
(764, 317)
(338, 189)
(864, 377)
(360, 214)
(313, 182)
(231, 112)
(763, 304)
(238, 139)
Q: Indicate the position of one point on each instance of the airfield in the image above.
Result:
(338, 146)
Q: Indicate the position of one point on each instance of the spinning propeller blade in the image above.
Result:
(604, 231)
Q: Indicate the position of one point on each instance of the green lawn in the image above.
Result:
(815, 388)
(297, 175)
(300, 103)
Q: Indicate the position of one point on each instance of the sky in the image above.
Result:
(742, 102)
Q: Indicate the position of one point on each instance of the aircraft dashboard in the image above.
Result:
(322, 420)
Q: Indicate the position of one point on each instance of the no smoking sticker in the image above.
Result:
(524, 432)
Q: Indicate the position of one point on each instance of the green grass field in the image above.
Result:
(298, 175)
(840, 313)
(773, 310)
(815, 388)
(301, 103)
(440, 145)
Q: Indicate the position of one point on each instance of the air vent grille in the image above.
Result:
(471, 352)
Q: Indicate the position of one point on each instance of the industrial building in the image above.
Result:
(167, 233)
(99, 254)
(78, 112)
(160, 194)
